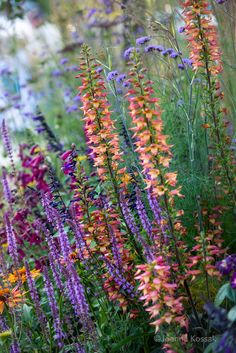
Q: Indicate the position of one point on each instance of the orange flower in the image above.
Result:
(10, 297)
(20, 275)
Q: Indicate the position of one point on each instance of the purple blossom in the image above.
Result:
(129, 51)
(99, 70)
(129, 218)
(76, 98)
(56, 73)
(6, 188)
(181, 29)
(34, 296)
(142, 40)
(157, 212)
(181, 66)
(72, 108)
(3, 324)
(11, 240)
(7, 144)
(64, 61)
(188, 62)
(15, 348)
(120, 78)
(143, 215)
(119, 278)
(112, 75)
(59, 335)
(233, 280)
(151, 48)
(220, 1)
(174, 55)
(126, 84)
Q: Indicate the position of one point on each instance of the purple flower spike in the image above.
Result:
(142, 40)
(34, 296)
(59, 335)
(143, 215)
(6, 188)
(120, 78)
(15, 348)
(11, 240)
(7, 144)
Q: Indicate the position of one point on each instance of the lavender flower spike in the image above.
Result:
(143, 214)
(8, 145)
(34, 296)
(6, 188)
(15, 348)
(11, 240)
(59, 335)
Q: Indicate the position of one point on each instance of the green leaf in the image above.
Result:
(232, 294)
(27, 313)
(222, 294)
(212, 346)
(232, 314)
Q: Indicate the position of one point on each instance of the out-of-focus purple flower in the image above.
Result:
(221, 1)
(59, 335)
(129, 51)
(112, 75)
(151, 48)
(174, 55)
(64, 61)
(56, 73)
(217, 316)
(188, 62)
(76, 98)
(233, 280)
(15, 348)
(72, 108)
(181, 66)
(99, 70)
(120, 78)
(79, 348)
(3, 324)
(5, 71)
(91, 12)
(142, 40)
(35, 297)
(126, 84)
(181, 29)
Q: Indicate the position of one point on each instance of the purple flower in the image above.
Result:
(129, 51)
(56, 73)
(221, 1)
(130, 221)
(125, 84)
(99, 70)
(181, 66)
(72, 108)
(34, 296)
(11, 240)
(142, 40)
(112, 75)
(15, 348)
(218, 316)
(76, 98)
(233, 280)
(64, 61)
(188, 62)
(227, 265)
(6, 188)
(3, 324)
(174, 55)
(120, 78)
(181, 29)
(59, 335)
(151, 48)
(7, 144)
(143, 215)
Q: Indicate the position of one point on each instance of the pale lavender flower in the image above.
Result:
(112, 75)
(129, 51)
(3, 324)
(64, 61)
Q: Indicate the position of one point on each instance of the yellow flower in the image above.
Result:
(10, 297)
(20, 275)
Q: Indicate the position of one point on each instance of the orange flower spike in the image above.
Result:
(102, 136)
